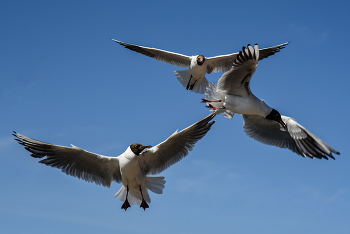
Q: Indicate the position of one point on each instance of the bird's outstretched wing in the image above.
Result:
(74, 161)
(160, 55)
(176, 147)
(223, 63)
(236, 81)
(298, 139)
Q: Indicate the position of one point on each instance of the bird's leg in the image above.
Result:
(189, 87)
(144, 204)
(210, 106)
(126, 203)
(206, 100)
(192, 85)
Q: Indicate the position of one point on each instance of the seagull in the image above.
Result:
(131, 168)
(261, 122)
(194, 79)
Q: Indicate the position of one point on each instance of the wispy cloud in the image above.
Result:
(305, 32)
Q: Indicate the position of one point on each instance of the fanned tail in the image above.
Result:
(212, 94)
(155, 184)
(184, 78)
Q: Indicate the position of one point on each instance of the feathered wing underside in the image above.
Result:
(298, 139)
(223, 63)
(236, 81)
(160, 55)
(176, 147)
(74, 161)
(267, 52)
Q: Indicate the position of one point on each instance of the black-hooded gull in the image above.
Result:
(131, 167)
(194, 78)
(261, 122)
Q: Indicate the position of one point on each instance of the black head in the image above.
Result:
(137, 148)
(276, 116)
(200, 60)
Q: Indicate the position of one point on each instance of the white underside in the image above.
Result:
(155, 184)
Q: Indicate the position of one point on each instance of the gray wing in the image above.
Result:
(74, 161)
(298, 139)
(223, 63)
(236, 81)
(160, 55)
(176, 147)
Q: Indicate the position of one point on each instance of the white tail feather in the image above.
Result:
(155, 184)
(184, 77)
(212, 94)
(200, 86)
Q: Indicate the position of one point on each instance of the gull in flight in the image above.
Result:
(194, 78)
(261, 122)
(132, 168)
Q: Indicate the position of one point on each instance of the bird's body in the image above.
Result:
(132, 175)
(132, 168)
(194, 78)
(261, 122)
(246, 105)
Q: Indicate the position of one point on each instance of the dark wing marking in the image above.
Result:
(74, 161)
(160, 55)
(223, 63)
(236, 81)
(176, 147)
(298, 139)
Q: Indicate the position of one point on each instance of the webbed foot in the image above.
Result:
(144, 204)
(126, 205)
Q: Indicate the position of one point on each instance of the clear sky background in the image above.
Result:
(63, 81)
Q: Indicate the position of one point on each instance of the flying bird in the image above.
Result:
(194, 78)
(261, 122)
(132, 168)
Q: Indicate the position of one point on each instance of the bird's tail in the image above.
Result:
(155, 184)
(184, 78)
(212, 94)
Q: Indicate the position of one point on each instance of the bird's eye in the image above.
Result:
(137, 146)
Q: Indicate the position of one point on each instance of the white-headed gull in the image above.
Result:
(131, 167)
(198, 65)
(261, 122)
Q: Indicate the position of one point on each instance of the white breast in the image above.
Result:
(246, 105)
(197, 71)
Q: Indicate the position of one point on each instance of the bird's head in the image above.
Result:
(276, 116)
(137, 148)
(200, 60)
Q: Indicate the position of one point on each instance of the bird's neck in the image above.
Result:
(128, 154)
(263, 109)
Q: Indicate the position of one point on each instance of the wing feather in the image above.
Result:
(236, 81)
(176, 147)
(298, 139)
(160, 55)
(223, 63)
(74, 161)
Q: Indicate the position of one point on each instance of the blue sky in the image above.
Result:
(63, 81)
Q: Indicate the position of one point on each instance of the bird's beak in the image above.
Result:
(146, 146)
(283, 124)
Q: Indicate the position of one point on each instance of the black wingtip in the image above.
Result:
(15, 134)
